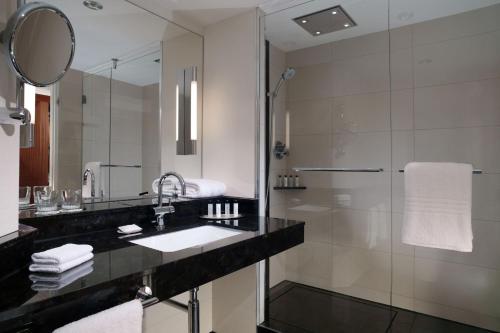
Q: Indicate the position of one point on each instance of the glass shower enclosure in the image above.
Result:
(121, 123)
(397, 82)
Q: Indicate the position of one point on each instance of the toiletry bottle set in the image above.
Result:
(218, 208)
(288, 179)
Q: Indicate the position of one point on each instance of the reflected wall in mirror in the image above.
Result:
(113, 113)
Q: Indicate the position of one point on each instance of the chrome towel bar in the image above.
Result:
(339, 169)
(474, 172)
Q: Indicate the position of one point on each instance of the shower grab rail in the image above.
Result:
(340, 169)
(474, 172)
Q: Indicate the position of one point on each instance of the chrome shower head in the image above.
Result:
(285, 76)
(288, 73)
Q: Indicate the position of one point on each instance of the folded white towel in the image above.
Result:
(438, 206)
(51, 268)
(61, 254)
(46, 282)
(196, 188)
(124, 318)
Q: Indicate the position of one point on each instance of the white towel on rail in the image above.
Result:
(438, 206)
(124, 318)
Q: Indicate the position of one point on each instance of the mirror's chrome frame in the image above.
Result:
(10, 33)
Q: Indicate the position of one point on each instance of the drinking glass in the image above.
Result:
(46, 199)
(71, 199)
(24, 195)
(43, 189)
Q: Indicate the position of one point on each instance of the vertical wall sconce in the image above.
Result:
(186, 104)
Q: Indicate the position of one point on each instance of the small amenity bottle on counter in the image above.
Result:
(297, 181)
(235, 208)
(210, 209)
(279, 181)
(227, 208)
(285, 181)
(218, 209)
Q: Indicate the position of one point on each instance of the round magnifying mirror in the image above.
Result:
(40, 43)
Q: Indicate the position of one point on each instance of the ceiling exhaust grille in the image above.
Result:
(325, 21)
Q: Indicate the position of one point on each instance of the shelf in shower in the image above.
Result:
(279, 188)
(340, 169)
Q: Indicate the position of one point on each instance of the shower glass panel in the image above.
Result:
(135, 116)
(410, 82)
(339, 120)
(446, 108)
(96, 124)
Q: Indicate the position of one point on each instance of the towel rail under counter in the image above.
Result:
(120, 166)
(474, 172)
(338, 169)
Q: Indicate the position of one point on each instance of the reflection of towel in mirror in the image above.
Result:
(47, 282)
(100, 174)
(124, 318)
(196, 188)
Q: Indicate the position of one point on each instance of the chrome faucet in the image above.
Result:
(160, 210)
(86, 174)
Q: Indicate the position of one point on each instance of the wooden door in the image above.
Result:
(34, 162)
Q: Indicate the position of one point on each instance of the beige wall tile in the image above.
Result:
(466, 287)
(310, 150)
(485, 197)
(366, 112)
(458, 60)
(377, 42)
(310, 116)
(318, 226)
(361, 150)
(366, 229)
(476, 145)
(310, 56)
(402, 109)
(361, 75)
(468, 104)
(457, 26)
(311, 82)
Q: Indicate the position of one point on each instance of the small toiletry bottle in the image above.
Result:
(279, 181)
(210, 209)
(227, 208)
(297, 181)
(285, 181)
(218, 209)
(235, 208)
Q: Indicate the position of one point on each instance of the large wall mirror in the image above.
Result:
(115, 110)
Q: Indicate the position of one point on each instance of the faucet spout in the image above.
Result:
(160, 211)
(86, 174)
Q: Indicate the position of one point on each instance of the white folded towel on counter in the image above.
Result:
(61, 254)
(60, 259)
(51, 268)
(124, 318)
(438, 206)
(47, 282)
(196, 188)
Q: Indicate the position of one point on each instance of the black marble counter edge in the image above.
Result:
(167, 280)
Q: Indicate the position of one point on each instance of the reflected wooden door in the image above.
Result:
(34, 162)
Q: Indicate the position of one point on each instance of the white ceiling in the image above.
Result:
(370, 16)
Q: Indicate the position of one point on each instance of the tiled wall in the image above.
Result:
(68, 169)
(439, 103)
(150, 135)
(120, 143)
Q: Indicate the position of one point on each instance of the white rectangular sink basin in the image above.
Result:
(179, 240)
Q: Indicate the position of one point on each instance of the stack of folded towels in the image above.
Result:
(195, 188)
(61, 259)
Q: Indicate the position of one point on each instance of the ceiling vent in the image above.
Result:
(325, 21)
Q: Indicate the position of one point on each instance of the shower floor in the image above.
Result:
(297, 308)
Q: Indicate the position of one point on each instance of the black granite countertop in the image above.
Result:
(121, 267)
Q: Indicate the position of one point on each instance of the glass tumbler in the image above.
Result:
(43, 189)
(71, 199)
(24, 195)
(46, 199)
